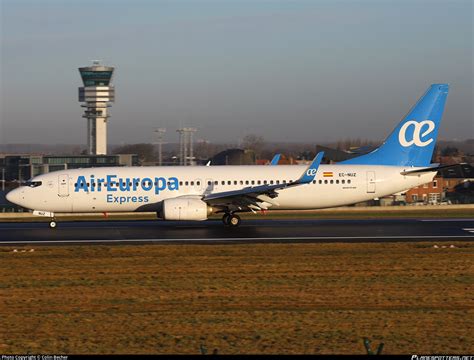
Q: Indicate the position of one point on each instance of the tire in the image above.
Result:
(234, 220)
(53, 224)
(225, 219)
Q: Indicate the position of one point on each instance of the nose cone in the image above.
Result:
(14, 196)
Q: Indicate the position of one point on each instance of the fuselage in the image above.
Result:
(125, 189)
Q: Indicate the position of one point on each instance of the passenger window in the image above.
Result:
(349, 181)
(241, 182)
(278, 182)
(284, 181)
(229, 182)
(216, 182)
(320, 181)
(325, 181)
(343, 181)
(186, 183)
(180, 183)
(259, 182)
(332, 181)
(337, 181)
(246, 182)
(265, 182)
(209, 183)
(223, 182)
(192, 183)
(235, 182)
(314, 181)
(271, 182)
(253, 182)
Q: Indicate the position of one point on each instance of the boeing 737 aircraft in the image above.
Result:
(402, 162)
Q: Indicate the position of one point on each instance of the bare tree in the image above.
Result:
(255, 143)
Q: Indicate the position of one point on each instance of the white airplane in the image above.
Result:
(402, 162)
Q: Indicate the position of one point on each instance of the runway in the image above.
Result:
(251, 231)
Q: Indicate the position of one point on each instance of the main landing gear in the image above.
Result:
(231, 220)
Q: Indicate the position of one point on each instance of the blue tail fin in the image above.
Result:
(413, 140)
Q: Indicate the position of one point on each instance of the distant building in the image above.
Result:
(449, 184)
(234, 157)
(332, 156)
(19, 167)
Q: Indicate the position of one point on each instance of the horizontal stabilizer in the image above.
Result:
(427, 169)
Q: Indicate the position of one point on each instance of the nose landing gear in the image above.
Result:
(53, 224)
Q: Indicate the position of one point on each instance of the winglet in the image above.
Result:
(311, 171)
(275, 159)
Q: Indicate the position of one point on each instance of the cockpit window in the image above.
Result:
(32, 184)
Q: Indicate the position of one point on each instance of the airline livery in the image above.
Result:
(402, 162)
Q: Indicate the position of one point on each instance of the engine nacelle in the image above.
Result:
(185, 209)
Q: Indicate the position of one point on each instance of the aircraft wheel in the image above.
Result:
(53, 224)
(225, 219)
(234, 220)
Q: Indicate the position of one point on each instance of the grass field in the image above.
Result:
(250, 298)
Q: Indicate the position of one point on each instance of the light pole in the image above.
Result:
(160, 133)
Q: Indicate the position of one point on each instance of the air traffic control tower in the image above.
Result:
(96, 96)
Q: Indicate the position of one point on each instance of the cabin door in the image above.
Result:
(63, 185)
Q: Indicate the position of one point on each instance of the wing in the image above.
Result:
(259, 197)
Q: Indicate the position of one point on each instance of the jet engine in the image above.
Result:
(185, 209)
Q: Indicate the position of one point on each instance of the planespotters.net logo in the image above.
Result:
(442, 357)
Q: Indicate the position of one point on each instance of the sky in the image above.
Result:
(290, 71)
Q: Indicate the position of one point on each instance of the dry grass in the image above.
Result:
(270, 298)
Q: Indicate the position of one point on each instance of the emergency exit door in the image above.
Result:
(370, 181)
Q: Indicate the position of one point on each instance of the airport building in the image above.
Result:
(18, 168)
(455, 184)
(97, 94)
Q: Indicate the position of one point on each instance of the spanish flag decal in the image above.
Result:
(327, 174)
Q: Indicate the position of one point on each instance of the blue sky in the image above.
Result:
(309, 71)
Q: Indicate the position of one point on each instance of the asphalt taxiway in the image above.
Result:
(256, 231)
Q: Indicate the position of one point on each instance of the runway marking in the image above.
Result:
(63, 228)
(471, 230)
(235, 239)
(444, 220)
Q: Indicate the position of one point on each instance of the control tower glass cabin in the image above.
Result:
(97, 94)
